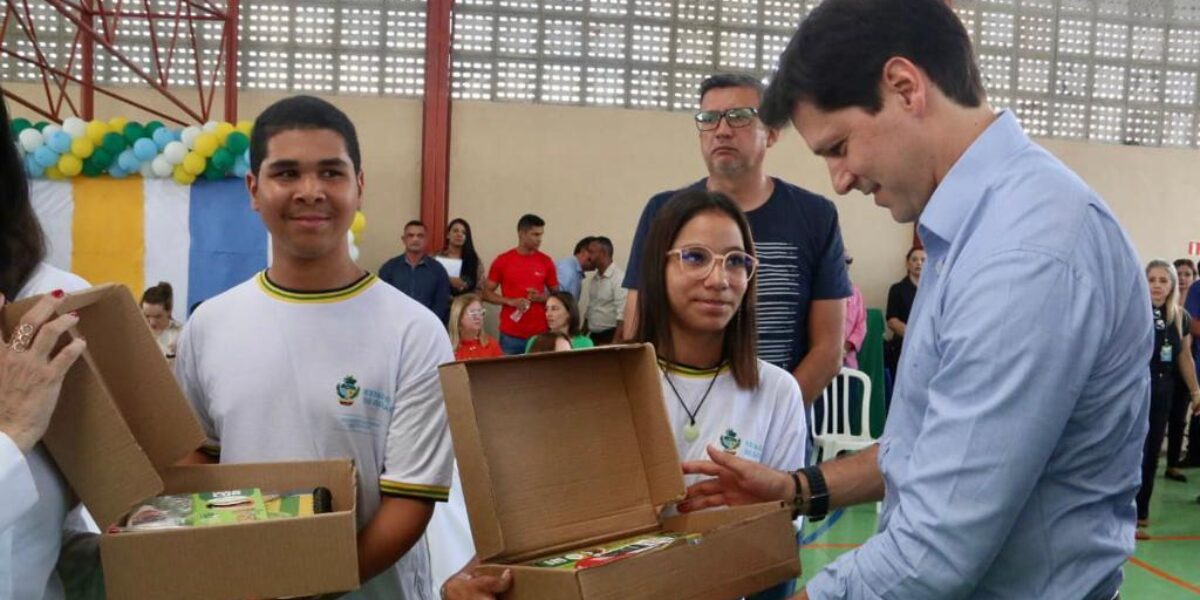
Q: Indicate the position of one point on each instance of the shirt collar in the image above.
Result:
(960, 190)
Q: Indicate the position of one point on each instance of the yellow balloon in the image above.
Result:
(223, 131)
(70, 165)
(95, 132)
(360, 223)
(82, 147)
(118, 124)
(182, 177)
(245, 127)
(206, 144)
(52, 172)
(193, 163)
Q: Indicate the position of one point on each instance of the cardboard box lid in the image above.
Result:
(561, 448)
(121, 419)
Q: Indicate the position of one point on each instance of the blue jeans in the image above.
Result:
(512, 345)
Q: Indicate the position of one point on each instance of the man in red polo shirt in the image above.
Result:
(524, 276)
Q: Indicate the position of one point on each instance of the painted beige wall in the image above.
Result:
(590, 171)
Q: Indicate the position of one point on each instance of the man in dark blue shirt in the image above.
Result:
(802, 280)
(418, 274)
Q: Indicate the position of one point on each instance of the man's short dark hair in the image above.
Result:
(528, 222)
(301, 112)
(415, 223)
(605, 243)
(836, 57)
(1185, 262)
(582, 244)
(912, 250)
(731, 80)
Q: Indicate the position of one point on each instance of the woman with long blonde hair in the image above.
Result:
(1172, 358)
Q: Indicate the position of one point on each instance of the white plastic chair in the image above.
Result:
(836, 401)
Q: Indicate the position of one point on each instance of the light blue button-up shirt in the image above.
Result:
(1012, 452)
(570, 276)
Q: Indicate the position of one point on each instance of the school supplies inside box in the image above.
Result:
(611, 552)
(225, 507)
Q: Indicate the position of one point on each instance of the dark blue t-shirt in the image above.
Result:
(800, 252)
(1192, 305)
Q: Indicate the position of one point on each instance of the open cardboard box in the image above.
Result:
(562, 451)
(121, 425)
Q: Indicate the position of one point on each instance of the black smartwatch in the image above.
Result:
(818, 493)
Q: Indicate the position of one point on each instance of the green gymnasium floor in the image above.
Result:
(1166, 567)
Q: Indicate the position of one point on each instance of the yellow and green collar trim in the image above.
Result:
(686, 371)
(321, 297)
(413, 490)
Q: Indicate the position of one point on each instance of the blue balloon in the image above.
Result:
(162, 137)
(117, 172)
(33, 168)
(145, 149)
(128, 161)
(240, 169)
(60, 142)
(246, 156)
(46, 157)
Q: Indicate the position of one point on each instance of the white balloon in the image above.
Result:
(189, 135)
(353, 253)
(74, 126)
(51, 129)
(147, 171)
(161, 166)
(31, 139)
(174, 152)
(210, 126)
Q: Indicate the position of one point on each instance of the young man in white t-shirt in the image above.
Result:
(316, 358)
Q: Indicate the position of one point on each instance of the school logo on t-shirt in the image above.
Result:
(348, 390)
(730, 441)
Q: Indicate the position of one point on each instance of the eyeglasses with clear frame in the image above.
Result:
(698, 262)
(476, 312)
(708, 120)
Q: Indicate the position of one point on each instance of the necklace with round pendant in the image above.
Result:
(691, 431)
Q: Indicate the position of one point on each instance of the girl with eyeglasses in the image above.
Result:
(696, 301)
(466, 330)
(697, 305)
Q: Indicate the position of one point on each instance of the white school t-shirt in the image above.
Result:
(767, 424)
(278, 375)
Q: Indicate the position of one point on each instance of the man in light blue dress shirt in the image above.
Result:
(571, 269)
(1010, 459)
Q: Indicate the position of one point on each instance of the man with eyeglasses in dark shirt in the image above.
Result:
(802, 281)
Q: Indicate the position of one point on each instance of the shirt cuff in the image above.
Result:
(20, 491)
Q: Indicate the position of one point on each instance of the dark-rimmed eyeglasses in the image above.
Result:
(708, 120)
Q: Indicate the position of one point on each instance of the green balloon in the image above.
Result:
(91, 168)
(237, 142)
(102, 157)
(134, 132)
(19, 124)
(114, 143)
(40, 125)
(211, 172)
(153, 126)
(222, 160)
